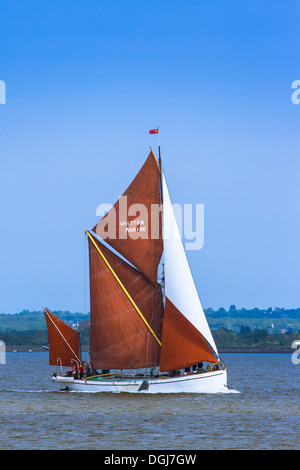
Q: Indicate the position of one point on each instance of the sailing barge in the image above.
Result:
(147, 334)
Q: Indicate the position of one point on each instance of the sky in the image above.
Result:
(86, 81)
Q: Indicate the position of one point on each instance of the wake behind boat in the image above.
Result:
(148, 333)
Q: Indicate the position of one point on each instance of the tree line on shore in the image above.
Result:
(277, 318)
(232, 329)
(224, 338)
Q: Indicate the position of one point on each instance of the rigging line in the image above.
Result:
(120, 182)
(73, 352)
(126, 174)
(123, 287)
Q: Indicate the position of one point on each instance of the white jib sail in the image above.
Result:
(179, 284)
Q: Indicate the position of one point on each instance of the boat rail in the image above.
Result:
(109, 375)
(59, 365)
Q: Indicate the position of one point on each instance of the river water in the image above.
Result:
(261, 412)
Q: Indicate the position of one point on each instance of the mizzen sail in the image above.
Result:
(64, 346)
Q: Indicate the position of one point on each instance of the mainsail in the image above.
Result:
(63, 341)
(131, 325)
(126, 312)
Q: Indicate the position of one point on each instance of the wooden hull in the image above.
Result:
(209, 382)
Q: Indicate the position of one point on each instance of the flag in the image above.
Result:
(153, 131)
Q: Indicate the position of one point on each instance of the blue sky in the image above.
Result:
(86, 80)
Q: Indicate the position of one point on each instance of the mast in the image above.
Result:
(159, 158)
(161, 203)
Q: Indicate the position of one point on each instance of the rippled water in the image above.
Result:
(262, 412)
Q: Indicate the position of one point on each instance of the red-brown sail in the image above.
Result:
(182, 344)
(136, 230)
(63, 341)
(121, 338)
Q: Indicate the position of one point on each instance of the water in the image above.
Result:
(262, 412)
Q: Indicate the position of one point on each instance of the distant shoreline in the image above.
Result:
(256, 350)
(221, 350)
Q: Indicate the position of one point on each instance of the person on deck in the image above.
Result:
(75, 370)
(200, 368)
